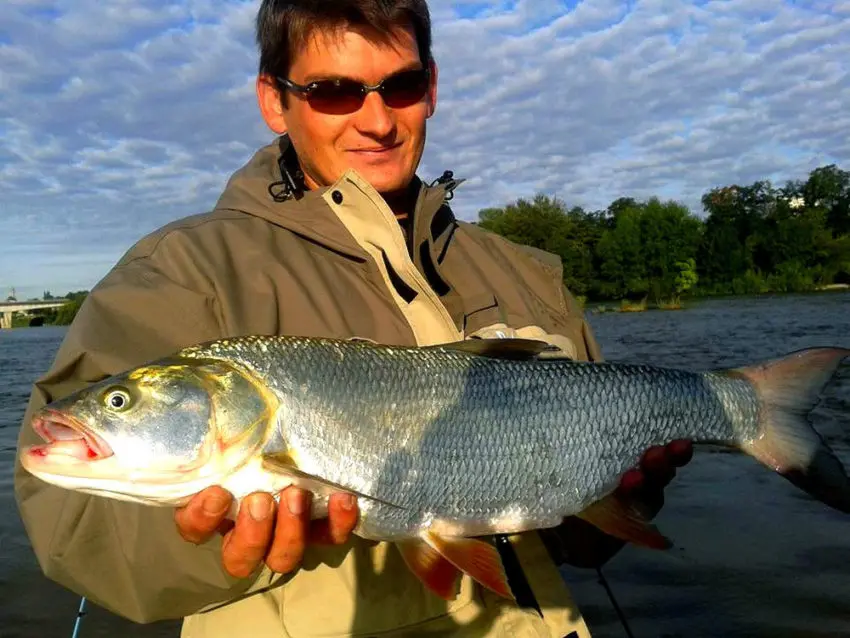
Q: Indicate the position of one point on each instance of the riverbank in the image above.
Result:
(684, 302)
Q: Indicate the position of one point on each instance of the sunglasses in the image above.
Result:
(343, 96)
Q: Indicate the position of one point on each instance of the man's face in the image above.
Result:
(382, 144)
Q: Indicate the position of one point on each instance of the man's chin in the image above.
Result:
(382, 182)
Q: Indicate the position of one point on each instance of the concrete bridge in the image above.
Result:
(9, 308)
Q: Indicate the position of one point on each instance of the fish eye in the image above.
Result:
(117, 399)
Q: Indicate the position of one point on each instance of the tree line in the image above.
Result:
(750, 239)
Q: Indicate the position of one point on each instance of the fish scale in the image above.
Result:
(474, 441)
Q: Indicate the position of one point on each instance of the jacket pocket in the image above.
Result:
(481, 311)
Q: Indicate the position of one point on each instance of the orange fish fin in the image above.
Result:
(435, 572)
(616, 517)
(475, 557)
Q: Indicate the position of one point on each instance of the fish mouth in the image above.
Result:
(68, 436)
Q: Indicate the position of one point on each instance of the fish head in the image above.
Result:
(156, 434)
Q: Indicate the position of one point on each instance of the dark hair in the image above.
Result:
(283, 26)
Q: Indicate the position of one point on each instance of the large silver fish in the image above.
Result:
(439, 444)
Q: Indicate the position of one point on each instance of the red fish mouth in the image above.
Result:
(66, 435)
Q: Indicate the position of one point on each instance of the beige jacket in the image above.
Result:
(333, 263)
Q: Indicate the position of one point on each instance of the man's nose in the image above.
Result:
(375, 118)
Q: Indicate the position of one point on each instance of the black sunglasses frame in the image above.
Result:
(307, 89)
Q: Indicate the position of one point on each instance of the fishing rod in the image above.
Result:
(604, 582)
(80, 613)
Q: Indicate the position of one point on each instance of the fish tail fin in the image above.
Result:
(788, 389)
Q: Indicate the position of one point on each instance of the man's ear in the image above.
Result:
(432, 90)
(270, 103)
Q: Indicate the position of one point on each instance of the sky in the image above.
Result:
(117, 117)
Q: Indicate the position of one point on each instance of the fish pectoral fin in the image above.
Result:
(283, 464)
(435, 572)
(475, 557)
(614, 516)
(500, 348)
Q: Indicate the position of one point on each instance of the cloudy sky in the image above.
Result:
(117, 116)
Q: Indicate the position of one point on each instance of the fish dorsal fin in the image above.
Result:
(282, 463)
(520, 349)
(366, 340)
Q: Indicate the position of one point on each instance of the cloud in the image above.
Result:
(118, 117)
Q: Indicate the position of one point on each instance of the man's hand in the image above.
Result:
(644, 486)
(265, 532)
(578, 543)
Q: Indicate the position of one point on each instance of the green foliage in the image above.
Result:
(545, 223)
(639, 255)
(65, 314)
(749, 240)
(687, 277)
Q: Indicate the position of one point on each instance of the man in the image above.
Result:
(325, 232)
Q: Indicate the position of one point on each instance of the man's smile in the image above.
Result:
(375, 150)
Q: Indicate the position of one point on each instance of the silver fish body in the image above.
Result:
(466, 444)
(439, 444)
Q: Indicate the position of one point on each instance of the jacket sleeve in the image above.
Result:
(125, 557)
(588, 339)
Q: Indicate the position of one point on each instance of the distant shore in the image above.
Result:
(643, 305)
(593, 307)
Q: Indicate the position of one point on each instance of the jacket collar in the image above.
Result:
(250, 190)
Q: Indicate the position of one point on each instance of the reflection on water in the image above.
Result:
(753, 555)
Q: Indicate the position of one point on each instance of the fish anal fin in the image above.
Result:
(435, 572)
(500, 348)
(283, 463)
(617, 518)
(477, 558)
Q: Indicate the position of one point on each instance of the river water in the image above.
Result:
(753, 556)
